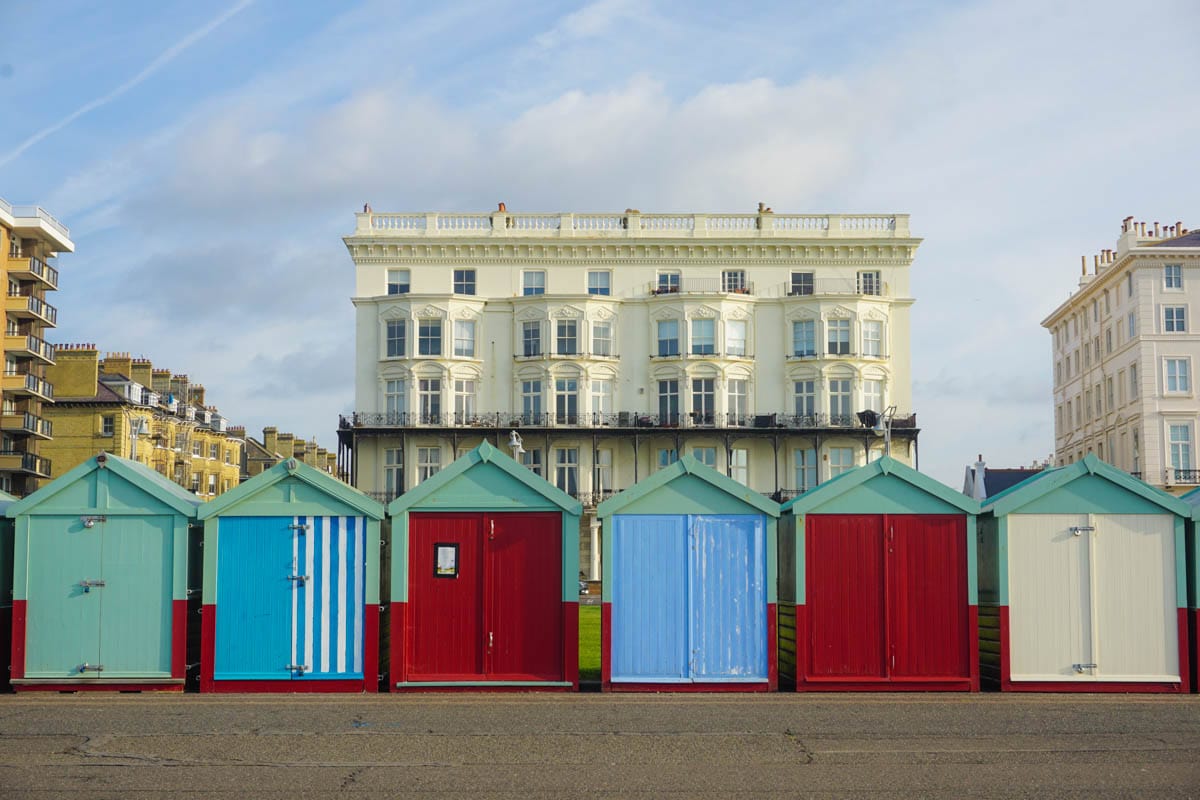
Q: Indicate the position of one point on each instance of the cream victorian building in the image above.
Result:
(612, 343)
(1125, 349)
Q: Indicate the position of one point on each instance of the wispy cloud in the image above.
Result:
(154, 66)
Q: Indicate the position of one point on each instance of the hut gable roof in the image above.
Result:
(144, 481)
(687, 470)
(292, 471)
(1088, 480)
(485, 478)
(884, 486)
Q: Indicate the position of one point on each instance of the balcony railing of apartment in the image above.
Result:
(24, 422)
(32, 267)
(636, 224)
(702, 286)
(37, 212)
(29, 346)
(28, 383)
(1184, 475)
(701, 353)
(860, 285)
(15, 460)
(33, 305)
(620, 419)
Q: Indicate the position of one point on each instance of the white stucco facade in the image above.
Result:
(613, 342)
(1125, 350)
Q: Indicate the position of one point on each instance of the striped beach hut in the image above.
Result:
(878, 584)
(291, 585)
(1083, 584)
(485, 593)
(100, 580)
(688, 601)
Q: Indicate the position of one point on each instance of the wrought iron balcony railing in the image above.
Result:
(619, 419)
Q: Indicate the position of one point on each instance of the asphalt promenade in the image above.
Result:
(88, 747)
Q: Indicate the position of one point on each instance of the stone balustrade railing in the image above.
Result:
(636, 225)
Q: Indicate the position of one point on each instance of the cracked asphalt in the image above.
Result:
(591, 745)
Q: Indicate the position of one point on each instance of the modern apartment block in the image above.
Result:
(30, 240)
(123, 405)
(1126, 346)
(613, 343)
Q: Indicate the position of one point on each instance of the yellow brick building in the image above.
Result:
(123, 405)
(276, 446)
(30, 240)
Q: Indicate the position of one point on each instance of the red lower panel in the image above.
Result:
(208, 645)
(178, 638)
(1194, 651)
(371, 648)
(480, 688)
(99, 687)
(772, 648)
(1007, 684)
(570, 639)
(605, 646)
(18, 639)
(688, 687)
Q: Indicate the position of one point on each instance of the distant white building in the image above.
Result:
(1126, 346)
(612, 343)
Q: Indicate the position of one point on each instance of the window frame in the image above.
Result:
(464, 346)
(429, 340)
(598, 287)
(464, 281)
(394, 285)
(395, 346)
(530, 288)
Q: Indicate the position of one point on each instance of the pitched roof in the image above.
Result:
(1189, 239)
(687, 465)
(292, 468)
(996, 481)
(1048, 480)
(158, 486)
(485, 453)
(886, 465)
(104, 395)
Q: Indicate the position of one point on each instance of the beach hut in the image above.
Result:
(688, 601)
(99, 580)
(291, 585)
(1082, 583)
(6, 588)
(484, 579)
(878, 584)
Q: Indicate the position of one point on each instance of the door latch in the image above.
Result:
(87, 585)
(1079, 530)
(299, 578)
(492, 530)
(298, 668)
(299, 526)
(86, 667)
(491, 639)
(1082, 667)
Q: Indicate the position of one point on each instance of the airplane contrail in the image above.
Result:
(165, 57)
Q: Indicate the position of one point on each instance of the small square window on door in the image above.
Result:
(445, 560)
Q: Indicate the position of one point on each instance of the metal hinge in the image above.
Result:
(301, 668)
(299, 526)
(491, 638)
(1076, 530)
(87, 585)
(299, 578)
(492, 534)
(86, 667)
(1082, 667)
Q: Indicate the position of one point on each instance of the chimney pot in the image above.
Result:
(1157, 234)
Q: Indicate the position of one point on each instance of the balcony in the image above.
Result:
(27, 424)
(825, 287)
(620, 421)
(14, 461)
(26, 307)
(703, 286)
(28, 385)
(32, 269)
(29, 347)
(1184, 476)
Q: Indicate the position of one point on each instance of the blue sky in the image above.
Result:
(208, 157)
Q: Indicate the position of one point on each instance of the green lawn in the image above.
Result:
(589, 643)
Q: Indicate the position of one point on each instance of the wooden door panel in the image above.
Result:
(927, 596)
(445, 611)
(845, 573)
(523, 590)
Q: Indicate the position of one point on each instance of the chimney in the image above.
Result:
(142, 371)
(1142, 229)
(1083, 265)
(75, 371)
(196, 393)
(271, 440)
(1157, 233)
(117, 364)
